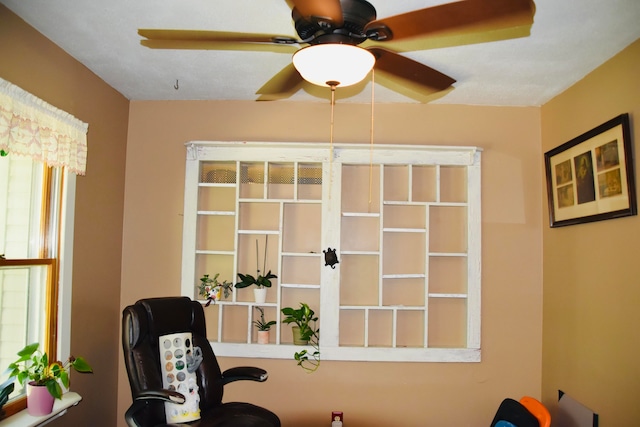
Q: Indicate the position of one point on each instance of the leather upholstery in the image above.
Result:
(514, 412)
(142, 325)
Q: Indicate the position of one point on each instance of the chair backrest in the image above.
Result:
(142, 325)
(536, 407)
(514, 412)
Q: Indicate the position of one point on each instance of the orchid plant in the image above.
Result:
(261, 323)
(211, 288)
(261, 281)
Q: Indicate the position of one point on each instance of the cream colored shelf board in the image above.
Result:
(302, 254)
(408, 203)
(359, 252)
(244, 349)
(209, 252)
(404, 230)
(372, 354)
(437, 295)
(258, 232)
(217, 184)
(361, 214)
(292, 200)
(225, 213)
(245, 303)
(448, 254)
(60, 407)
(384, 307)
(299, 285)
(449, 204)
(404, 276)
(425, 203)
(401, 354)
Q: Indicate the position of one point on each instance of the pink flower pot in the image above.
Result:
(39, 400)
(263, 337)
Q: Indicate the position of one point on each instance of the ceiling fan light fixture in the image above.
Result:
(333, 63)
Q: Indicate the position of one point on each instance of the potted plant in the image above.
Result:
(305, 332)
(261, 282)
(213, 290)
(263, 327)
(44, 377)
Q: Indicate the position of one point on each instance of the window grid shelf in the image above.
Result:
(404, 193)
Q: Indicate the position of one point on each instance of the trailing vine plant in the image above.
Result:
(305, 318)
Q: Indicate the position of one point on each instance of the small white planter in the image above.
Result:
(260, 295)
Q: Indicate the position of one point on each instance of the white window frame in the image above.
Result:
(66, 217)
(333, 156)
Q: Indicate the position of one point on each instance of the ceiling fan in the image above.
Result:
(353, 23)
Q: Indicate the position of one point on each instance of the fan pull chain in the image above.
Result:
(333, 104)
(333, 86)
(371, 138)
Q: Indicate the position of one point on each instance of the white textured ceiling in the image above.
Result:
(569, 39)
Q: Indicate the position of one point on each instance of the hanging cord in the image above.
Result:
(371, 138)
(333, 104)
(333, 86)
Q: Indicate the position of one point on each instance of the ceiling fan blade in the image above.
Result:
(410, 71)
(329, 11)
(417, 93)
(462, 16)
(218, 40)
(284, 84)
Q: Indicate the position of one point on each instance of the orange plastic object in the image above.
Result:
(537, 409)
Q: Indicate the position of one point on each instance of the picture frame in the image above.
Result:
(591, 177)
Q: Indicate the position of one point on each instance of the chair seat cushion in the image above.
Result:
(234, 414)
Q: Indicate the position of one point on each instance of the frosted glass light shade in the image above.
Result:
(342, 63)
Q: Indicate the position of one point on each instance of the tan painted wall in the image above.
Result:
(590, 315)
(370, 394)
(591, 271)
(32, 62)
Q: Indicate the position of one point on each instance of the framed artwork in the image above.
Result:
(591, 177)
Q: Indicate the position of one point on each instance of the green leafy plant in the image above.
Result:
(34, 365)
(305, 318)
(262, 324)
(260, 281)
(210, 287)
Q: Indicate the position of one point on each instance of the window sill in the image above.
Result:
(23, 419)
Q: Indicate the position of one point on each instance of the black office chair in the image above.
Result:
(142, 325)
(516, 413)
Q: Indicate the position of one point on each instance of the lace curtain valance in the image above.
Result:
(31, 127)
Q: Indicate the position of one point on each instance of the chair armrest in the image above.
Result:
(143, 399)
(165, 395)
(244, 373)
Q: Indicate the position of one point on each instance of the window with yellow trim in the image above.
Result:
(31, 209)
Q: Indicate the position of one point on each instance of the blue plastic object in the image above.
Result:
(503, 423)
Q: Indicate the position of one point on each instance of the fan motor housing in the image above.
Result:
(356, 15)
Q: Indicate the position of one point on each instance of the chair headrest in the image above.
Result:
(169, 314)
(153, 317)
